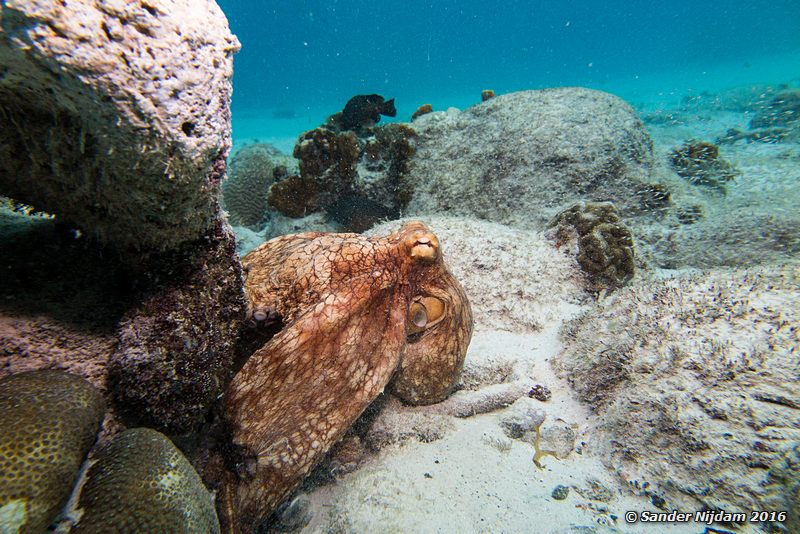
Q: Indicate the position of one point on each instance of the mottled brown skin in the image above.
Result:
(351, 308)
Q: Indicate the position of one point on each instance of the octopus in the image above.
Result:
(360, 315)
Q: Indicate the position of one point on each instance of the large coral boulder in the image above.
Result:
(140, 482)
(521, 158)
(115, 115)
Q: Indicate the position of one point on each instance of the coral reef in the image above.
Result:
(140, 482)
(361, 112)
(295, 196)
(420, 111)
(355, 180)
(700, 163)
(127, 152)
(158, 341)
(383, 166)
(357, 311)
(48, 422)
(521, 158)
(601, 242)
(252, 170)
(697, 373)
(327, 156)
(122, 127)
(176, 345)
(328, 162)
(137, 482)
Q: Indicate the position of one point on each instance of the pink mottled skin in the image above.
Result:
(359, 313)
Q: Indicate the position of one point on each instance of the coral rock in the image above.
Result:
(700, 163)
(782, 111)
(116, 115)
(698, 373)
(422, 110)
(357, 181)
(294, 196)
(519, 158)
(176, 347)
(604, 244)
(252, 171)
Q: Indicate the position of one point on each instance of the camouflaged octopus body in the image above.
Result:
(358, 312)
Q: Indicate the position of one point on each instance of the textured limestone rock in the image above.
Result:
(694, 383)
(522, 157)
(48, 422)
(115, 115)
(176, 346)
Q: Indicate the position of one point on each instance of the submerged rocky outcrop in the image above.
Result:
(520, 158)
(50, 473)
(115, 121)
(115, 116)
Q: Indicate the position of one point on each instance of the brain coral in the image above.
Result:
(604, 243)
(142, 483)
(48, 422)
(251, 172)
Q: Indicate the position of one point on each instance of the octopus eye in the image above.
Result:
(418, 315)
(424, 313)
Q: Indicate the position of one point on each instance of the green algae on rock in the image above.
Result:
(48, 422)
(140, 482)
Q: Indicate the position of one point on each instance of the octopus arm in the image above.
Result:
(298, 394)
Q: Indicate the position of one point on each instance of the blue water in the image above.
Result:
(302, 60)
